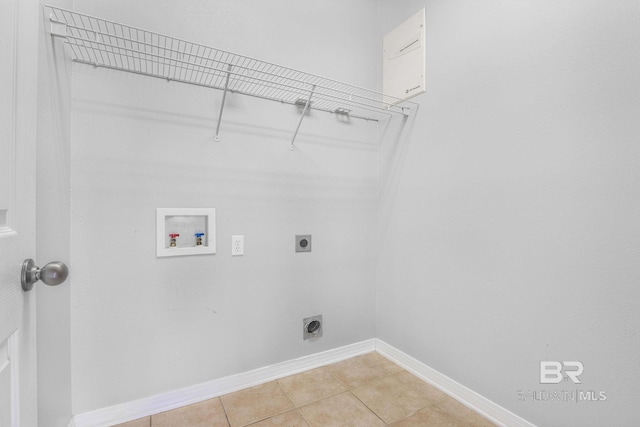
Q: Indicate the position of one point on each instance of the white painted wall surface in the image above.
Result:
(509, 221)
(53, 217)
(141, 325)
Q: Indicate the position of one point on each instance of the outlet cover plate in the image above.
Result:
(237, 245)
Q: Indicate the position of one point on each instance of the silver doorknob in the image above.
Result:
(51, 274)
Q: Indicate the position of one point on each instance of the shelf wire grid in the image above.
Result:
(108, 44)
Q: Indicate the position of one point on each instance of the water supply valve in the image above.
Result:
(199, 239)
(173, 236)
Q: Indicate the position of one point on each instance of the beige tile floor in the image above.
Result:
(366, 391)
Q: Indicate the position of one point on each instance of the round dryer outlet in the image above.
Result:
(303, 243)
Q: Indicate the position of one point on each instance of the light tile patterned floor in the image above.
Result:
(365, 391)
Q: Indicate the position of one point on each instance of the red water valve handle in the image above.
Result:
(173, 236)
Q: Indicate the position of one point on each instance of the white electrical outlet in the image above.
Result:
(237, 245)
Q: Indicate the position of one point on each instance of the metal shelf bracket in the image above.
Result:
(58, 29)
(304, 111)
(224, 97)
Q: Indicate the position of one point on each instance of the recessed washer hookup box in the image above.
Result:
(185, 231)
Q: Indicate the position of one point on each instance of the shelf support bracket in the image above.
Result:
(57, 29)
(304, 111)
(224, 96)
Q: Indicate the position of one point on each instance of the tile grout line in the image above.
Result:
(346, 389)
(370, 410)
(285, 391)
(288, 397)
(315, 401)
(350, 390)
(430, 404)
(296, 407)
(304, 418)
(224, 409)
(274, 415)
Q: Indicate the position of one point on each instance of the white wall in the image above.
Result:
(53, 228)
(142, 325)
(506, 222)
(516, 203)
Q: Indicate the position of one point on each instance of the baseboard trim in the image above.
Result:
(464, 395)
(128, 411)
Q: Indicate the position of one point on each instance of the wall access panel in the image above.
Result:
(403, 63)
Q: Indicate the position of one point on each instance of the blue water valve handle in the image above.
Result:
(199, 239)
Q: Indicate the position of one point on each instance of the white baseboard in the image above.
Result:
(174, 399)
(464, 395)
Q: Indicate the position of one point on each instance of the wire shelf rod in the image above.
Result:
(352, 114)
(266, 84)
(173, 38)
(108, 44)
(108, 48)
(72, 13)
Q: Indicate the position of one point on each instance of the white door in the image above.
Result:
(18, 102)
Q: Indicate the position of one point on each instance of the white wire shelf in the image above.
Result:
(108, 44)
